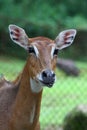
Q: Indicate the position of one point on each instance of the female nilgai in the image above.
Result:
(20, 100)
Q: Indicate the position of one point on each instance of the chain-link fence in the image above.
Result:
(68, 93)
(64, 106)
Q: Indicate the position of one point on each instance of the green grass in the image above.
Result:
(65, 95)
(67, 92)
(10, 67)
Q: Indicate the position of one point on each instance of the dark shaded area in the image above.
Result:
(77, 119)
(78, 51)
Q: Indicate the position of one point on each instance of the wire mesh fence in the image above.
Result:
(57, 102)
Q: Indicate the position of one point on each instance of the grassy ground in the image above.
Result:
(67, 92)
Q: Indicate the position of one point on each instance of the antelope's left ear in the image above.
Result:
(65, 38)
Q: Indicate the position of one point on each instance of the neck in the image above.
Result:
(26, 109)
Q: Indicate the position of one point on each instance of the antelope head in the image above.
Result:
(42, 54)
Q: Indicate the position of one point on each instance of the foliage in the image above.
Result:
(56, 14)
(40, 17)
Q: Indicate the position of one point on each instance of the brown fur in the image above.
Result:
(17, 99)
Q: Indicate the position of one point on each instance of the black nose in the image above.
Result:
(48, 77)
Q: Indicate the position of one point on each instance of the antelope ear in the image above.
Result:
(65, 38)
(18, 36)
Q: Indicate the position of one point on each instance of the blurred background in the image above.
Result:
(48, 18)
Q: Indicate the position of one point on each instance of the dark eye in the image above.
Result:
(56, 52)
(31, 50)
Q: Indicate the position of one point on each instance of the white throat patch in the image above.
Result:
(36, 86)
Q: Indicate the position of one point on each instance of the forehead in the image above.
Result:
(42, 42)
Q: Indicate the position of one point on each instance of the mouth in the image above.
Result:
(48, 84)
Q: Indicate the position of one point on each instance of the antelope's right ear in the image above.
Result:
(18, 36)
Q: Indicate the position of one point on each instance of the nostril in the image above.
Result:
(48, 74)
(53, 75)
(44, 74)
